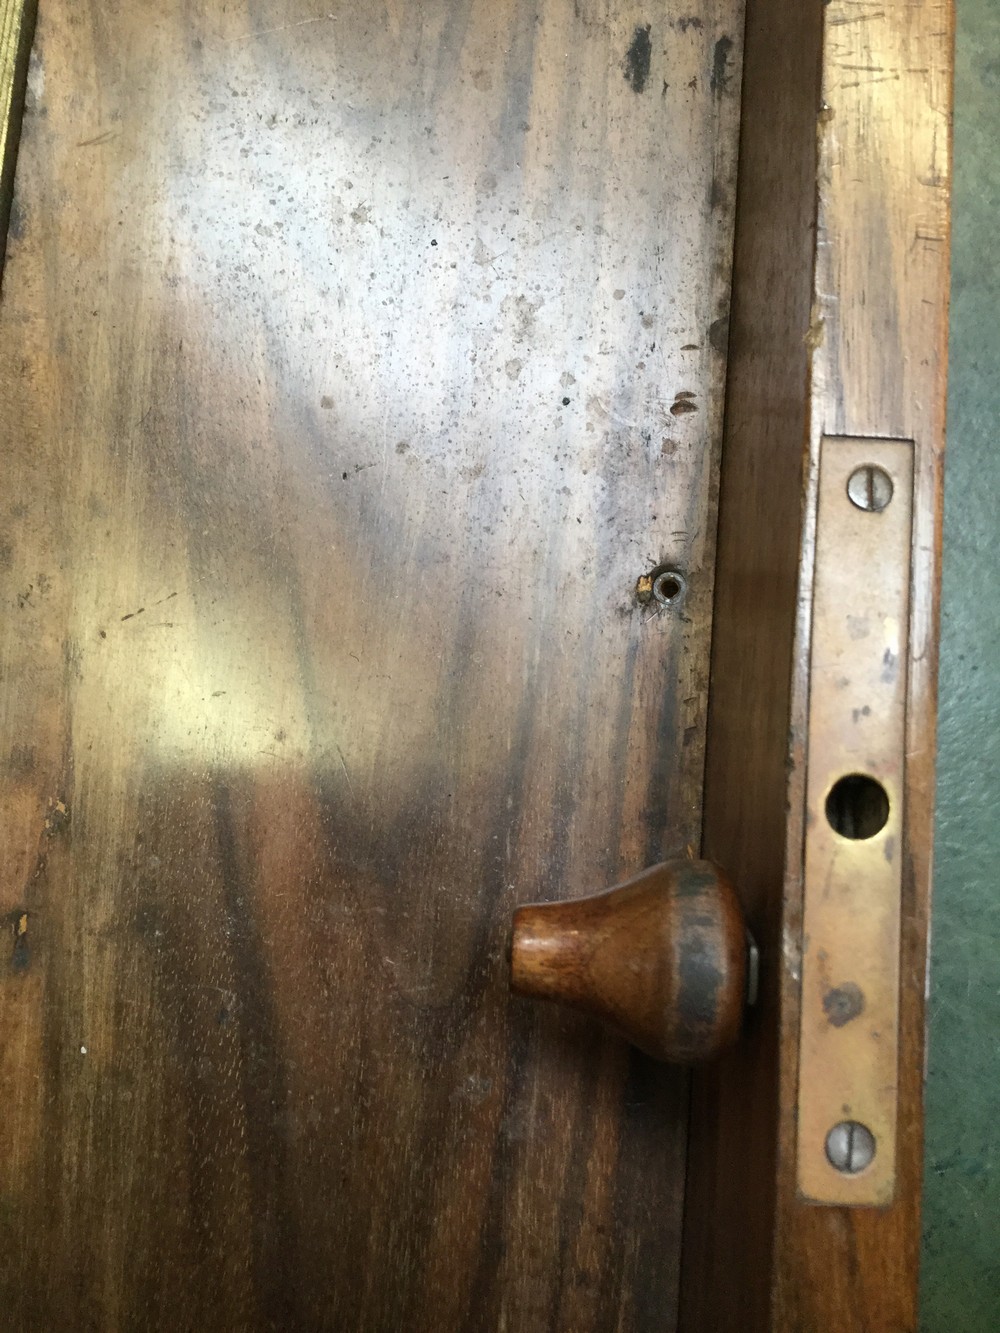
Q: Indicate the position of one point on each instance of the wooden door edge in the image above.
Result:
(17, 30)
(731, 1196)
(839, 326)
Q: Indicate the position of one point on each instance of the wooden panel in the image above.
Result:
(353, 368)
(846, 337)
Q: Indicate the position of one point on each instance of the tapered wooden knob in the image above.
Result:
(661, 959)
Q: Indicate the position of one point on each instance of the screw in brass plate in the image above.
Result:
(850, 1147)
(870, 488)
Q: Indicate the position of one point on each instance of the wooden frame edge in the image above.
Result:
(17, 31)
(840, 327)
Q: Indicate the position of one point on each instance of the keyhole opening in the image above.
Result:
(857, 807)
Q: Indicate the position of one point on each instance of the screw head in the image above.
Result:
(870, 487)
(850, 1147)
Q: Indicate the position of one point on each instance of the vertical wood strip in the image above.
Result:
(17, 26)
(728, 1255)
(846, 121)
(879, 340)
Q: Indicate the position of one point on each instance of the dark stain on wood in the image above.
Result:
(638, 58)
(721, 70)
(20, 762)
(20, 954)
(718, 335)
(57, 819)
(843, 1003)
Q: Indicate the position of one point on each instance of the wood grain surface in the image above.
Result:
(839, 327)
(354, 366)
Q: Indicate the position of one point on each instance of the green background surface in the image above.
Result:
(960, 1288)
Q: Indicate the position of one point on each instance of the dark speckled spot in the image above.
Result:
(718, 335)
(57, 819)
(20, 762)
(637, 59)
(720, 65)
(843, 1003)
(20, 958)
(16, 225)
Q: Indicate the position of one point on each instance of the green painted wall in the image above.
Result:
(961, 1260)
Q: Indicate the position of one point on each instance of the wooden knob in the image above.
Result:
(661, 959)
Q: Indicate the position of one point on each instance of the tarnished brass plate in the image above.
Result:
(849, 1041)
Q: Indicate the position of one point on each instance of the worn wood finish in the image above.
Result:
(841, 331)
(17, 25)
(354, 366)
(661, 959)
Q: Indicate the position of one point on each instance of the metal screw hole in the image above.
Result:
(668, 587)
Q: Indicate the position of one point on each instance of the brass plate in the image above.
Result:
(849, 1044)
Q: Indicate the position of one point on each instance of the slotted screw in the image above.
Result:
(850, 1147)
(870, 488)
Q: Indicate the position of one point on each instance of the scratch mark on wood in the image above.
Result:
(281, 27)
(347, 774)
(104, 137)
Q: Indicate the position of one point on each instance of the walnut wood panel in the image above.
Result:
(354, 365)
(839, 322)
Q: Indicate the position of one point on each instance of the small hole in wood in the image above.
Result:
(667, 587)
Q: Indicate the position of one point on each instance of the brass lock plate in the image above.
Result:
(849, 1036)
